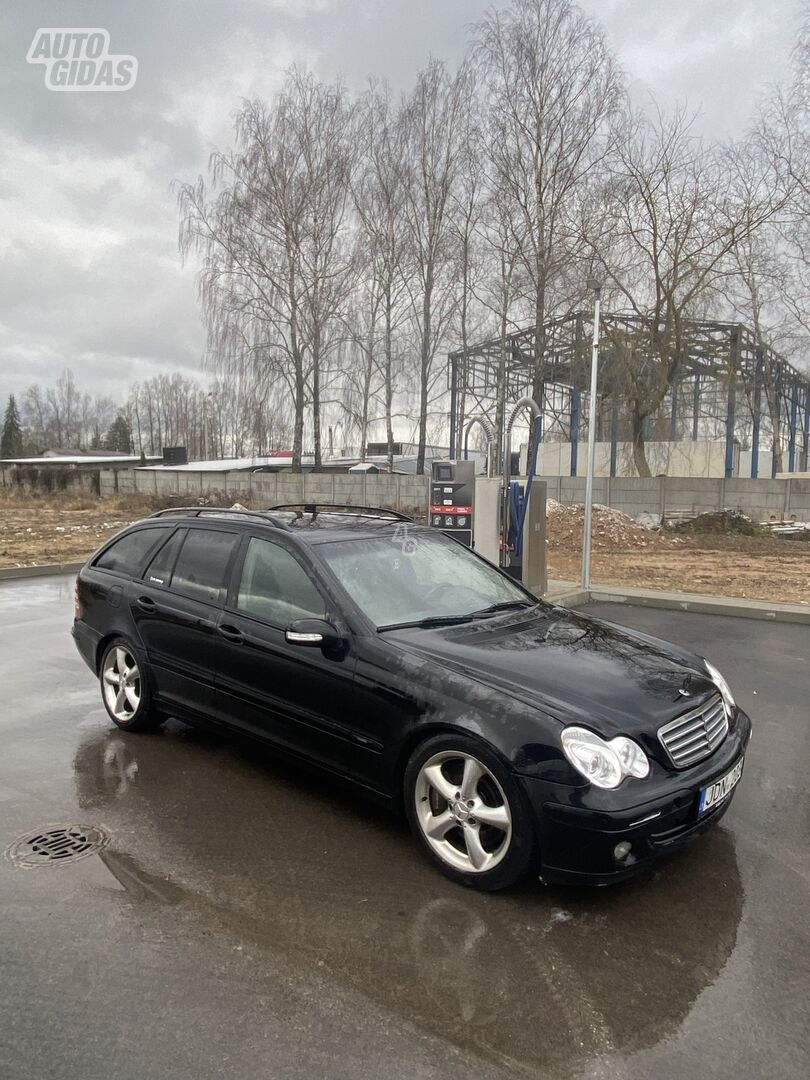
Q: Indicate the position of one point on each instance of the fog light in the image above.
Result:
(622, 850)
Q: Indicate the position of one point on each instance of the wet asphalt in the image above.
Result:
(251, 919)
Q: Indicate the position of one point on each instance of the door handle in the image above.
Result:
(231, 633)
(146, 603)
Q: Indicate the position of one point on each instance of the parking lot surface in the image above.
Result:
(251, 919)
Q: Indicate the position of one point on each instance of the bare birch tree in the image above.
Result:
(434, 116)
(277, 266)
(379, 195)
(553, 89)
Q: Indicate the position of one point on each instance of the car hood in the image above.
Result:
(577, 669)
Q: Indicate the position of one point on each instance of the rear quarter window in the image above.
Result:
(127, 555)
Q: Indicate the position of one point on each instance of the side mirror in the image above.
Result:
(316, 632)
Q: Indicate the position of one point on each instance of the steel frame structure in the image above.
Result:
(724, 384)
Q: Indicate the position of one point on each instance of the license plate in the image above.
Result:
(715, 793)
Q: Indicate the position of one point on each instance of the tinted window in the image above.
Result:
(202, 567)
(159, 570)
(276, 587)
(127, 555)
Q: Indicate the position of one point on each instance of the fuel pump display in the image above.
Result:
(452, 499)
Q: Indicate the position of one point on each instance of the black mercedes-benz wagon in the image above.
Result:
(517, 736)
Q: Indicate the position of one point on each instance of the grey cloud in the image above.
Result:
(89, 272)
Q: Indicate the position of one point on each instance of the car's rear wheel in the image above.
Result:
(468, 812)
(125, 688)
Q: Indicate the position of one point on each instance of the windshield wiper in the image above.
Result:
(451, 620)
(504, 605)
(430, 620)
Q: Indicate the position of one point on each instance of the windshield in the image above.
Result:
(419, 575)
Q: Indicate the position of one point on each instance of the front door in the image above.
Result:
(300, 697)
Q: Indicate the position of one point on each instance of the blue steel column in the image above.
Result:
(806, 425)
(695, 409)
(614, 436)
(576, 401)
(794, 409)
(756, 415)
(731, 410)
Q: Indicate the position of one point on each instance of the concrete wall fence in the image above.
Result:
(408, 494)
(760, 499)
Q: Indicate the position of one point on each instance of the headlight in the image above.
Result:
(723, 687)
(604, 763)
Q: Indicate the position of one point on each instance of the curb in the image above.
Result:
(9, 573)
(764, 610)
(572, 597)
(567, 594)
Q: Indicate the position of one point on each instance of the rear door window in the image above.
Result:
(202, 568)
(127, 555)
(159, 571)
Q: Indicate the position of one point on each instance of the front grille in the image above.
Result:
(694, 736)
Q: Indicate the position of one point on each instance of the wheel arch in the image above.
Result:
(101, 648)
(420, 734)
(114, 635)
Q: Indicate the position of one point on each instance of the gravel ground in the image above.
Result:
(627, 553)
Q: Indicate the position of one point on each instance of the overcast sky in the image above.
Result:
(90, 277)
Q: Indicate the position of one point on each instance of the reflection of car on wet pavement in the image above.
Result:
(514, 979)
(517, 734)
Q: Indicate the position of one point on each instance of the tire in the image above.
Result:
(125, 689)
(469, 813)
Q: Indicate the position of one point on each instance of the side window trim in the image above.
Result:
(145, 570)
(235, 578)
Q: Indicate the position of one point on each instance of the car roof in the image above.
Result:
(311, 526)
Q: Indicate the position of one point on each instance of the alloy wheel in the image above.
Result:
(463, 812)
(122, 683)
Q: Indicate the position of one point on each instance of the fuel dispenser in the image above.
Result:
(452, 499)
(509, 527)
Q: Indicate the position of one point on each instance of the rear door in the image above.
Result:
(176, 606)
(300, 697)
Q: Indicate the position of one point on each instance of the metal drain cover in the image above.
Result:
(57, 844)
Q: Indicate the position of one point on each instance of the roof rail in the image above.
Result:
(205, 511)
(341, 508)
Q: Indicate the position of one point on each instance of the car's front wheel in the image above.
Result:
(468, 812)
(125, 688)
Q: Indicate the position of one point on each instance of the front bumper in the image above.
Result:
(579, 827)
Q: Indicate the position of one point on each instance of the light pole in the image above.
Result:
(596, 287)
(206, 432)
